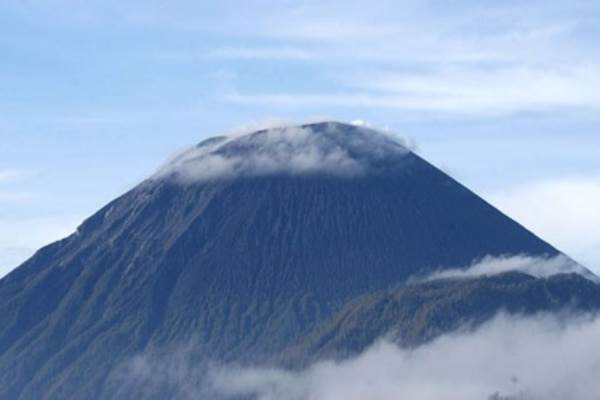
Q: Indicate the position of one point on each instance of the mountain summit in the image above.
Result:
(324, 148)
(268, 245)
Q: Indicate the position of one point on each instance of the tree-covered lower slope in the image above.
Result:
(415, 313)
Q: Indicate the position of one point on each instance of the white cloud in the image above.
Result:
(288, 149)
(491, 90)
(544, 357)
(518, 358)
(538, 267)
(360, 122)
(263, 124)
(565, 211)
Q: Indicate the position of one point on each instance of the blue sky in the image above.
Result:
(95, 95)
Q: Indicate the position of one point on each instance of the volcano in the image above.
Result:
(281, 245)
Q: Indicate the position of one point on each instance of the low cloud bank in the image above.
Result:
(336, 149)
(539, 267)
(509, 358)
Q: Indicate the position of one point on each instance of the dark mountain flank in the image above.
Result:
(287, 244)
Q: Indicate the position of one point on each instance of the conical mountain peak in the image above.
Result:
(279, 245)
(330, 148)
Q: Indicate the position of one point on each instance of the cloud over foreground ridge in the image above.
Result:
(509, 358)
(331, 148)
(543, 357)
(538, 267)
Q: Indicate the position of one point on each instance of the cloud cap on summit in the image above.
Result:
(328, 147)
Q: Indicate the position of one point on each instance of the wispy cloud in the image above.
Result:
(538, 267)
(462, 90)
(292, 149)
(489, 61)
(426, 56)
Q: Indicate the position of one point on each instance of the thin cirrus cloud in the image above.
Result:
(456, 90)
(328, 41)
(467, 59)
(435, 63)
(499, 59)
